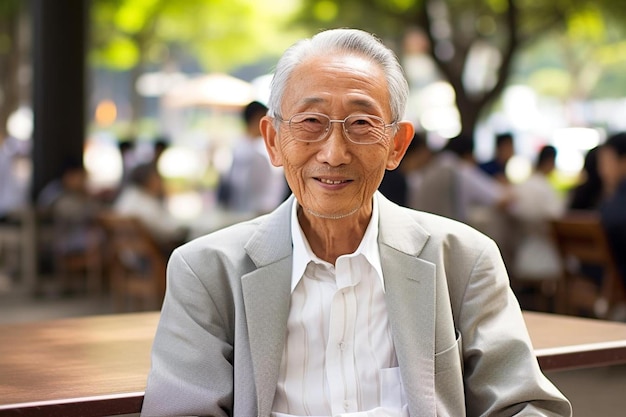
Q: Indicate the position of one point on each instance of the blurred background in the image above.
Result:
(83, 80)
(90, 89)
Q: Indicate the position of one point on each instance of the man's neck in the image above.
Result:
(331, 238)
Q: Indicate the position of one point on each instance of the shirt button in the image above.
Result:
(346, 406)
(342, 346)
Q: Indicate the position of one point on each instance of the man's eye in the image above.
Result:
(361, 122)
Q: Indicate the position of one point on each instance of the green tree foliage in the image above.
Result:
(220, 34)
(587, 60)
(454, 29)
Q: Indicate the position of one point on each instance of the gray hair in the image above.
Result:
(342, 41)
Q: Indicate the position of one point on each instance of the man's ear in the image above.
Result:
(401, 142)
(270, 136)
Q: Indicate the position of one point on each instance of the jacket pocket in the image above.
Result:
(451, 357)
(450, 395)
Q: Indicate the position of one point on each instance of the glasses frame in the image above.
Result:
(326, 134)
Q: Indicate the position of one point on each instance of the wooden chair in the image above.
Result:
(582, 243)
(136, 266)
(84, 267)
(68, 254)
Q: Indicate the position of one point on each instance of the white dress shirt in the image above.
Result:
(339, 357)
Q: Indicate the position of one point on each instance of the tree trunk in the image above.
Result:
(9, 65)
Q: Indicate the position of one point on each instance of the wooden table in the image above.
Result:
(566, 342)
(97, 366)
(93, 365)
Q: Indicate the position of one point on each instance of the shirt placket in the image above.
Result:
(343, 379)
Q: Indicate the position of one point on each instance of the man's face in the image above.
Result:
(335, 177)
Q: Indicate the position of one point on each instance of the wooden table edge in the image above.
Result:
(582, 356)
(98, 406)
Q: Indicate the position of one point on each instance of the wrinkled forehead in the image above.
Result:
(350, 78)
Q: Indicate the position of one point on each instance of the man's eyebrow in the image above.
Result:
(363, 103)
(368, 104)
(313, 100)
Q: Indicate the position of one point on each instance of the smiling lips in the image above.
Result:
(332, 182)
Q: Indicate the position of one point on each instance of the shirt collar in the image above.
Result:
(302, 253)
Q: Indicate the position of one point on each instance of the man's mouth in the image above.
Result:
(332, 182)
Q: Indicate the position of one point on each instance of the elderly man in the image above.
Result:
(341, 303)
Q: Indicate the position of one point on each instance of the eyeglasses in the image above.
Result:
(361, 129)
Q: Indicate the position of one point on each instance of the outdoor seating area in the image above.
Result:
(312, 208)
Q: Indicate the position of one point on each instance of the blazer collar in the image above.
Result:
(398, 229)
(410, 294)
(266, 295)
(272, 239)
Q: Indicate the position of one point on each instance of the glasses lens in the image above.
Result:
(313, 127)
(364, 128)
(309, 127)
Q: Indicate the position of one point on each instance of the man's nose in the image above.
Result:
(335, 149)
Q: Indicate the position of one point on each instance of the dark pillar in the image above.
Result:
(59, 50)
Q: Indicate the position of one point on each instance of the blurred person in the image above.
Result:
(418, 157)
(340, 302)
(400, 185)
(453, 186)
(127, 148)
(13, 198)
(143, 197)
(536, 203)
(613, 208)
(394, 186)
(13, 190)
(252, 186)
(67, 205)
(596, 184)
(72, 184)
(504, 149)
(590, 191)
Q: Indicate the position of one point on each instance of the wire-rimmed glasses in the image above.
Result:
(362, 129)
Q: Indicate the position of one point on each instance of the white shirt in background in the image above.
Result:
(153, 213)
(256, 186)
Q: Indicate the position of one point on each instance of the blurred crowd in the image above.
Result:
(447, 181)
(516, 214)
(67, 211)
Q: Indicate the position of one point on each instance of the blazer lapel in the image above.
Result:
(266, 295)
(410, 295)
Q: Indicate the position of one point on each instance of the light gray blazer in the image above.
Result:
(459, 335)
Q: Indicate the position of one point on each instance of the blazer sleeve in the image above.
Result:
(501, 372)
(191, 372)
